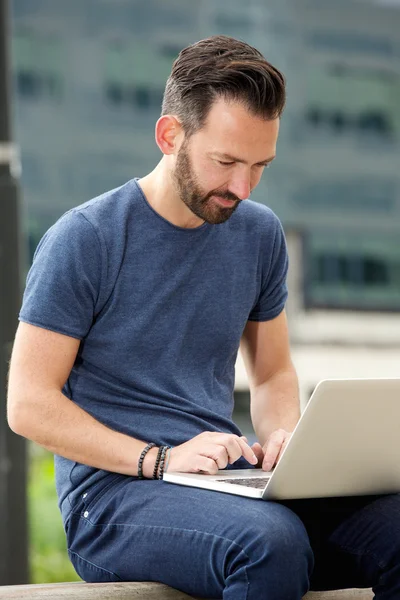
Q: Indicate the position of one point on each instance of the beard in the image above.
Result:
(190, 192)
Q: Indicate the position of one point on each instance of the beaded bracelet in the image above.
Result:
(161, 470)
(157, 462)
(164, 451)
(141, 459)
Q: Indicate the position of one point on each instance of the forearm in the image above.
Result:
(62, 427)
(275, 404)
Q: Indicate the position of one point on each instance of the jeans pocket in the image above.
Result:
(90, 572)
(92, 496)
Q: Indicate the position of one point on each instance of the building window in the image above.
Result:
(360, 271)
(339, 121)
(28, 84)
(114, 94)
(352, 272)
(37, 66)
(346, 100)
(375, 272)
(131, 96)
(142, 97)
(134, 78)
(37, 85)
(375, 122)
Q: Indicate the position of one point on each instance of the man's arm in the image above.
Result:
(275, 406)
(37, 409)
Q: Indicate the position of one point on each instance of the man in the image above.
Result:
(134, 310)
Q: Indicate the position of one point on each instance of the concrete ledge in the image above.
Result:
(341, 595)
(130, 591)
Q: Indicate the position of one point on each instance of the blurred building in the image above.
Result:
(89, 77)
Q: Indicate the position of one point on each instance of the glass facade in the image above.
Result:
(88, 81)
(347, 196)
(344, 269)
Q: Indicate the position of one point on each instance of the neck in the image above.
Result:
(160, 191)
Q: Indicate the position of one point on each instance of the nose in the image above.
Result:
(240, 186)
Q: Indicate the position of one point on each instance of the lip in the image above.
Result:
(223, 202)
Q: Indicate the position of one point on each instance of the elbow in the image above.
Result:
(14, 421)
(19, 416)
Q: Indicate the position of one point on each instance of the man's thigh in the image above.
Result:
(354, 539)
(189, 538)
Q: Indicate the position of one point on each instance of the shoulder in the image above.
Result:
(255, 211)
(111, 206)
(257, 218)
(95, 221)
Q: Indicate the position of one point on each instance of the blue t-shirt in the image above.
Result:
(159, 310)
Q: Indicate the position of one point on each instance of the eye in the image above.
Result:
(225, 164)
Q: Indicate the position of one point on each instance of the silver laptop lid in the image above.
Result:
(347, 442)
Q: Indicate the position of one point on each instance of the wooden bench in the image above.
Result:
(138, 590)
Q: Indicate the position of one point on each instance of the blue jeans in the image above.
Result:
(217, 545)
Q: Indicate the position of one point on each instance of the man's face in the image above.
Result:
(219, 165)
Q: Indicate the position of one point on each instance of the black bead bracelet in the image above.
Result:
(162, 462)
(157, 462)
(141, 459)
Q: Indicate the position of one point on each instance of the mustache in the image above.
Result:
(224, 195)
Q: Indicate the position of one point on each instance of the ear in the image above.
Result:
(168, 129)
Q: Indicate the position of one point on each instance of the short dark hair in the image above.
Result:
(222, 66)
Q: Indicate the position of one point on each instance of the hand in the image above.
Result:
(208, 452)
(269, 454)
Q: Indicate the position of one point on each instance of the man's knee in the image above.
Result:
(277, 539)
(286, 540)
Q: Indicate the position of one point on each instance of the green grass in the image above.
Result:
(49, 562)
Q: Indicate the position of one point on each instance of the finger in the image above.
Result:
(259, 452)
(282, 448)
(247, 452)
(272, 451)
(235, 446)
(205, 465)
(218, 453)
(231, 444)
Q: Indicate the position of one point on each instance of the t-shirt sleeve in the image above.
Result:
(63, 283)
(273, 291)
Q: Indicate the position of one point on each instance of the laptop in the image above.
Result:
(346, 443)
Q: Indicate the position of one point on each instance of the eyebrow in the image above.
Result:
(231, 158)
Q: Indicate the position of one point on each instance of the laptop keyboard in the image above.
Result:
(255, 482)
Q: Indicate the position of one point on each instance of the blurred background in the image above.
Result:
(87, 78)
